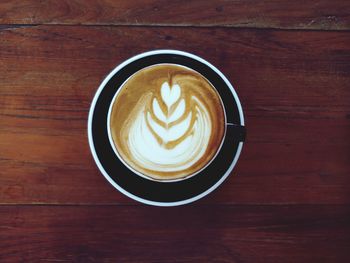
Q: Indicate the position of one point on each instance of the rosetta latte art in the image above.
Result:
(172, 138)
(167, 122)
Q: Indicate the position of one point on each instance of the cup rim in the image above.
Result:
(110, 137)
(91, 140)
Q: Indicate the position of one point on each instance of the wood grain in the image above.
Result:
(286, 201)
(182, 234)
(294, 87)
(299, 14)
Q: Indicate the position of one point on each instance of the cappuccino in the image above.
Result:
(167, 122)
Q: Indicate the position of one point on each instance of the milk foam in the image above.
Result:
(167, 122)
(171, 137)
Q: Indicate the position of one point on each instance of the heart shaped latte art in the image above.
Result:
(170, 95)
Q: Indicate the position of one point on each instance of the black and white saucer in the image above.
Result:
(169, 193)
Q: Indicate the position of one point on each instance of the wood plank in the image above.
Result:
(182, 234)
(294, 87)
(299, 14)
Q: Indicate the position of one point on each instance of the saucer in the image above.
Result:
(168, 193)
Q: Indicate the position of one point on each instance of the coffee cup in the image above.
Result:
(171, 119)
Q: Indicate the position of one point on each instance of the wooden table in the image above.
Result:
(288, 198)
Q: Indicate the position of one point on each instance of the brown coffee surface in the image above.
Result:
(167, 122)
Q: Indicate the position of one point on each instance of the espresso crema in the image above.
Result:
(167, 122)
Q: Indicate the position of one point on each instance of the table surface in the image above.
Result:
(288, 199)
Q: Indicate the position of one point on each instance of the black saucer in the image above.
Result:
(155, 192)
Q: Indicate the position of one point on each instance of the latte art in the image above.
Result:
(171, 137)
(167, 122)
